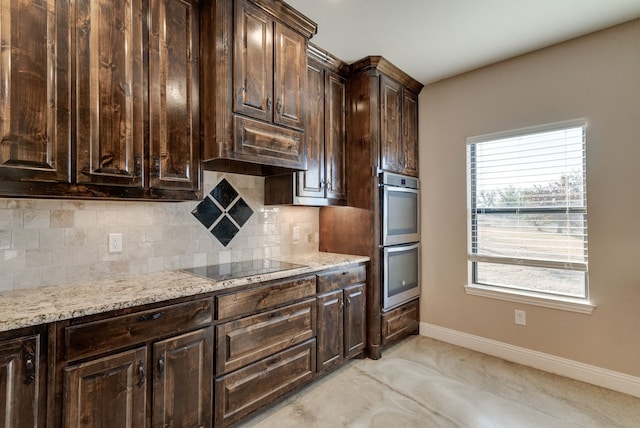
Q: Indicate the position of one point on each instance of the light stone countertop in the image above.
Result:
(30, 307)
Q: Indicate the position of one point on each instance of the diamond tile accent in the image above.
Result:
(224, 193)
(207, 212)
(240, 212)
(225, 230)
(214, 213)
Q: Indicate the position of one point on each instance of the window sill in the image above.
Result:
(562, 303)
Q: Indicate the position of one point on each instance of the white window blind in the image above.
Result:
(528, 206)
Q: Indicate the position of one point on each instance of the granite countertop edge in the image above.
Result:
(42, 305)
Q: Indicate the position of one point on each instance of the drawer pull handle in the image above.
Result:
(274, 361)
(151, 317)
(30, 368)
(141, 374)
(276, 314)
(160, 367)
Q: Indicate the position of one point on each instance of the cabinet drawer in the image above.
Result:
(96, 337)
(254, 386)
(250, 339)
(400, 322)
(269, 144)
(248, 301)
(341, 278)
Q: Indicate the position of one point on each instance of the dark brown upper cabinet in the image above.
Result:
(114, 88)
(253, 99)
(34, 93)
(109, 93)
(113, 111)
(174, 101)
(396, 94)
(324, 182)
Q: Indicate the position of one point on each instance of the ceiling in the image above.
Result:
(435, 39)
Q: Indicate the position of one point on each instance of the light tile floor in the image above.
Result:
(426, 383)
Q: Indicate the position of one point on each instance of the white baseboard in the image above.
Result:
(550, 363)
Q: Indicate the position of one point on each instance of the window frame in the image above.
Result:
(503, 292)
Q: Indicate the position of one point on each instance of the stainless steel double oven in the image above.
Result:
(400, 238)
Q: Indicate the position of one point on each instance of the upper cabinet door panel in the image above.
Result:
(410, 132)
(311, 181)
(253, 62)
(109, 95)
(34, 90)
(173, 94)
(390, 126)
(289, 76)
(336, 88)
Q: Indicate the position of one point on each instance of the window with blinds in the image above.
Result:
(528, 209)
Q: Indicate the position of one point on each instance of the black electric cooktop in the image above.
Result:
(236, 270)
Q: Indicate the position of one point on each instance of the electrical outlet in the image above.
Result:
(521, 317)
(296, 233)
(115, 242)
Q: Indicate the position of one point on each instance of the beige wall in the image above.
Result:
(52, 242)
(596, 77)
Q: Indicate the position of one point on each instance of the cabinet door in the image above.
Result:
(173, 94)
(34, 93)
(410, 132)
(390, 125)
(183, 380)
(330, 331)
(107, 392)
(336, 100)
(109, 92)
(20, 401)
(311, 182)
(354, 320)
(289, 76)
(253, 62)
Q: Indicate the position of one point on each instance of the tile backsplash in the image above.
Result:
(53, 241)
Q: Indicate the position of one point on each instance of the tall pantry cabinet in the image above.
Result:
(382, 135)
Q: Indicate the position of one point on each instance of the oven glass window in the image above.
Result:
(403, 213)
(402, 271)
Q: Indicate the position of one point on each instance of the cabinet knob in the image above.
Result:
(160, 367)
(138, 167)
(278, 106)
(141, 374)
(29, 368)
(156, 166)
(269, 103)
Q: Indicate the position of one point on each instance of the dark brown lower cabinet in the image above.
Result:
(341, 326)
(22, 387)
(252, 387)
(154, 366)
(400, 322)
(331, 331)
(112, 391)
(355, 324)
(143, 368)
(182, 381)
(108, 391)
